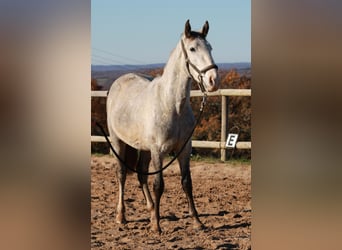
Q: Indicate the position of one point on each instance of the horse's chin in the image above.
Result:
(211, 83)
(211, 88)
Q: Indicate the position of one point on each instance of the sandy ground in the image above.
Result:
(222, 193)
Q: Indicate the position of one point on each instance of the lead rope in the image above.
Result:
(204, 99)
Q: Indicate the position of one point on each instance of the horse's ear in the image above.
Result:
(187, 30)
(205, 29)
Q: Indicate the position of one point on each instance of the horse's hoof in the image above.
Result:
(120, 219)
(150, 208)
(156, 229)
(198, 225)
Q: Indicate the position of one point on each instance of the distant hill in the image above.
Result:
(125, 67)
(129, 67)
(237, 65)
(106, 74)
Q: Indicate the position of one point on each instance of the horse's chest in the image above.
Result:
(171, 132)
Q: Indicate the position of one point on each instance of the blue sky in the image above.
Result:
(144, 32)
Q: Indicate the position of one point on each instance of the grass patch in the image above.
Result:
(98, 154)
(207, 159)
(240, 161)
(199, 158)
(210, 159)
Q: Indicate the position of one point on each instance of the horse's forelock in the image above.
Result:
(195, 34)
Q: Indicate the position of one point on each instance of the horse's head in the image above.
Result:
(199, 61)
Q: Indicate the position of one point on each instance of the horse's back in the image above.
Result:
(127, 87)
(129, 80)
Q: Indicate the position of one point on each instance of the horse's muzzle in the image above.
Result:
(212, 81)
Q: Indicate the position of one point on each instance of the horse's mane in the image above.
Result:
(148, 77)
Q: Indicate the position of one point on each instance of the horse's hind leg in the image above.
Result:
(144, 161)
(121, 172)
(184, 164)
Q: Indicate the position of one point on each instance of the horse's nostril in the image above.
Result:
(212, 81)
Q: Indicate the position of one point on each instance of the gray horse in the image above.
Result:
(155, 117)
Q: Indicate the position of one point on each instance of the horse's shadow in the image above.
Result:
(168, 217)
(173, 217)
(225, 227)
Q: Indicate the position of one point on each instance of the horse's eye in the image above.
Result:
(192, 49)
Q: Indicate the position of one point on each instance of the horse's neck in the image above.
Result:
(175, 81)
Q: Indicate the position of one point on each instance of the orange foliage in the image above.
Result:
(231, 76)
(94, 85)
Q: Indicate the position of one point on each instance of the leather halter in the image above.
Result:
(201, 73)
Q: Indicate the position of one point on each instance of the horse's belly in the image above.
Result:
(143, 136)
(132, 133)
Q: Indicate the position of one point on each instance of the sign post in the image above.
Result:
(231, 140)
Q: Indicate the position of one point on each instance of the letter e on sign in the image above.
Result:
(231, 140)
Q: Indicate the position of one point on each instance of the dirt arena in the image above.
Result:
(222, 193)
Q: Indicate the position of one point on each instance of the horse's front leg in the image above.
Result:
(158, 189)
(184, 164)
